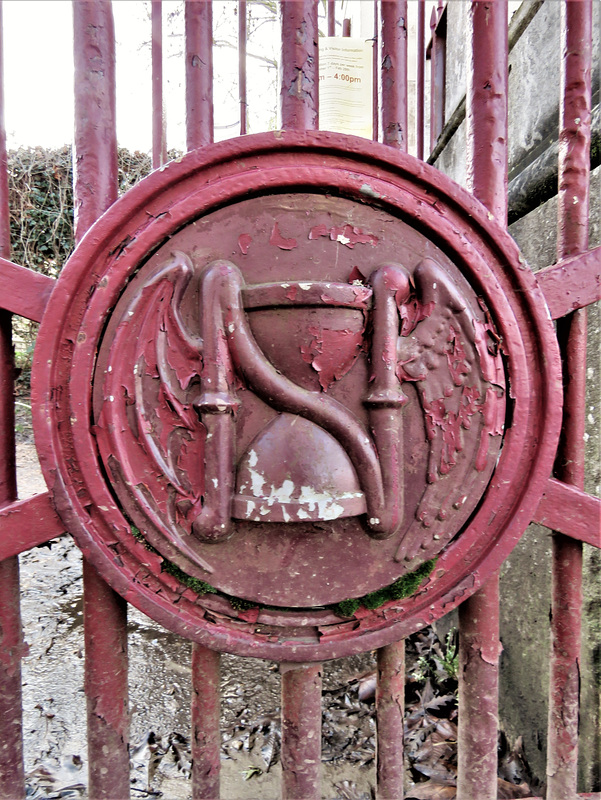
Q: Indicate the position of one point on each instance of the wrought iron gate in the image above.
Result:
(219, 374)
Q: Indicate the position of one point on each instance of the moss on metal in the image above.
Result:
(403, 587)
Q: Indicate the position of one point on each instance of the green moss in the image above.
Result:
(240, 604)
(405, 586)
(198, 586)
(346, 608)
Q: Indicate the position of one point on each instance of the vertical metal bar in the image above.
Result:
(437, 80)
(346, 28)
(331, 17)
(376, 75)
(486, 107)
(105, 613)
(301, 731)
(394, 73)
(421, 63)
(390, 692)
(479, 616)
(300, 65)
(573, 213)
(242, 33)
(199, 73)
(12, 779)
(95, 163)
(159, 139)
(105, 630)
(205, 723)
(478, 694)
(390, 709)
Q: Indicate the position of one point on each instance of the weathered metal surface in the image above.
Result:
(567, 509)
(572, 239)
(206, 741)
(390, 708)
(479, 650)
(242, 28)
(331, 17)
(199, 73)
(159, 139)
(301, 731)
(105, 613)
(573, 283)
(437, 54)
(421, 78)
(394, 73)
(28, 523)
(12, 784)
(24, 291)
(299, 66)
(12, 648)
(291, 354)
(105, 683)
(486, 172)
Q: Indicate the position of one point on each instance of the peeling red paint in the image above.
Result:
(280, 241)
(344, 234)
(244, 242)
(493, 410)
(356, 275)
(413, 312)
(332, 353)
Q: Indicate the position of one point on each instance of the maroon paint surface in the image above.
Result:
(573, 223)
(390, 710)
(301, 731)
(573, 283)
(242, 36)
(24, 291)
(299, 66)
(479, 650)
(206, 740)
(394, 73)
(486, 173)
(421, 78)
(159, 139)
(199, 73)
(105, 612)
(567, 509)
(196, 188)
(12, 783)
(28, 523)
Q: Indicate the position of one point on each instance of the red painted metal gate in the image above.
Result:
(296, 395)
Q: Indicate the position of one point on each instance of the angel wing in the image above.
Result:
(450, 351)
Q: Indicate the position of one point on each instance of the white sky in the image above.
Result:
(38, 65)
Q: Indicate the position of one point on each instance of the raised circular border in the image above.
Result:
(124, 237)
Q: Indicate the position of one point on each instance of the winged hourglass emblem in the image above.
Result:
(194, 372)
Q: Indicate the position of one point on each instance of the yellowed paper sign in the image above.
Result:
(346, 86)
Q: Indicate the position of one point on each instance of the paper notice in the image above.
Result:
(345, 86)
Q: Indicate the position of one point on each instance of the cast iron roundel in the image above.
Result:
(297, 395)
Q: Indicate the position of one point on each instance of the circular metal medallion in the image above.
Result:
(297, 395)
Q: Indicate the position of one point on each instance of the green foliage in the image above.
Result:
(441, 663)
(405, 586)
(40, 187)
